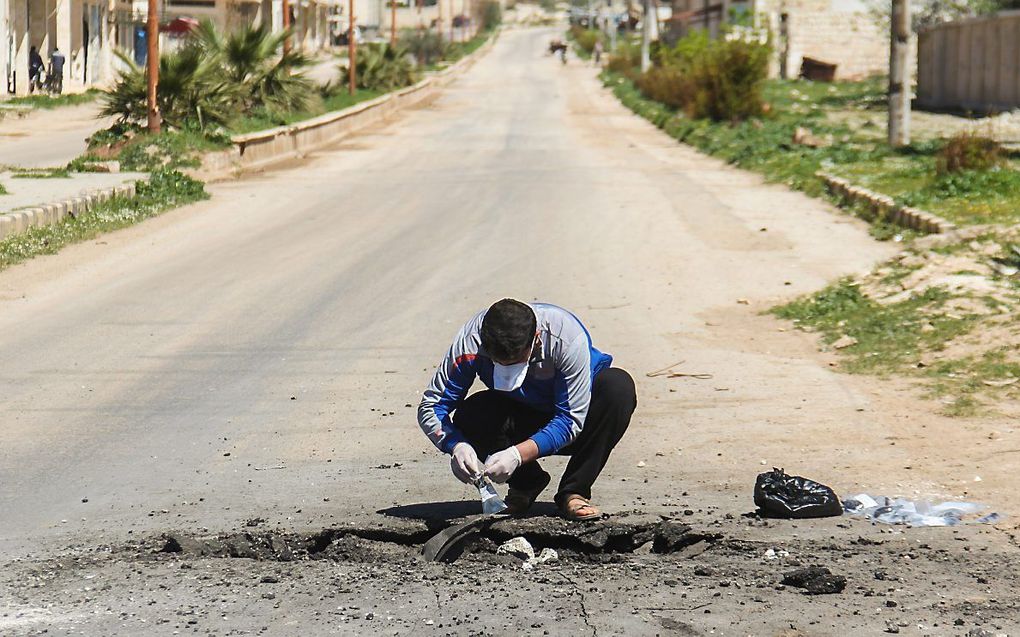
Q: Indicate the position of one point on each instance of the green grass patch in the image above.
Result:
(905, 339)
(139, 151)
(56, 101)
(264, 120)
(165, 189)
(890, 338)
(41, 173)
(455, 51)
(967, 381)
(765, 144)
(966, 197)
(458, 50)
(169, 150)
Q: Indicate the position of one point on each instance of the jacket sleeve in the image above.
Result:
(449, 386)
(572, 388)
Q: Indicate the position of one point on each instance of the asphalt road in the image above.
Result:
(259, 355)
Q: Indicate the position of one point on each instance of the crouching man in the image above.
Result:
(549, 392)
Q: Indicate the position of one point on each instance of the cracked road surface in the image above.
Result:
(251, 363)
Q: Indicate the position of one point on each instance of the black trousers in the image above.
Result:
(492, 421)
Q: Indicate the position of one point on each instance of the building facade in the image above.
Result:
(840, 32)
(81, 29)
(704, 15)
(88, 32)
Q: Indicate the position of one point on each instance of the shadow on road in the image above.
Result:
(435, 511)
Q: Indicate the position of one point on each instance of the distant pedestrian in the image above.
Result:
(597, 52)
(56, 75)
(35, 69)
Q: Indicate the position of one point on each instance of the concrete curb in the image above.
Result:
(260, 149)
(21, 220)
(882, 207)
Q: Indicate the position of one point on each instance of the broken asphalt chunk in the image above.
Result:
(815, 580)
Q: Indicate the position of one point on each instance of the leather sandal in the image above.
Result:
(518, 501)
(578, 508)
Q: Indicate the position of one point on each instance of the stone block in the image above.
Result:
(6, 226)
(48, 215)
(35, 217)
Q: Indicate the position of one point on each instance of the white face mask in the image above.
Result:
(509, 377)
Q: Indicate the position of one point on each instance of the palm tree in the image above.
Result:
(191, 91)
(214, 78)
(251, 59)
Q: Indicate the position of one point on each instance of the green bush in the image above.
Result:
(717, 79)
(666, 84)
(167, 187)
(381, 67)
(626, 59)
(426, 45)
(585, 38)
(967, 151)
(491, 14)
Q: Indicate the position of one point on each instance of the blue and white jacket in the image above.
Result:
(559, 379)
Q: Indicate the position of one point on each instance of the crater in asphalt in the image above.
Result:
(599, 538)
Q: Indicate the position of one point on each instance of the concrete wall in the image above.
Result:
(971, 65)
(839, 32)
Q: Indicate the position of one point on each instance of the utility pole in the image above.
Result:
(286, 26)
(899, 74)
(152, 65)
(452, 10)
(352, 51)
(393, 22)
(646, 37)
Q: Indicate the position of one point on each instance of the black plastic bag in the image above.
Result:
(781, 496)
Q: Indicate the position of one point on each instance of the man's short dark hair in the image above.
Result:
(508, 329)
